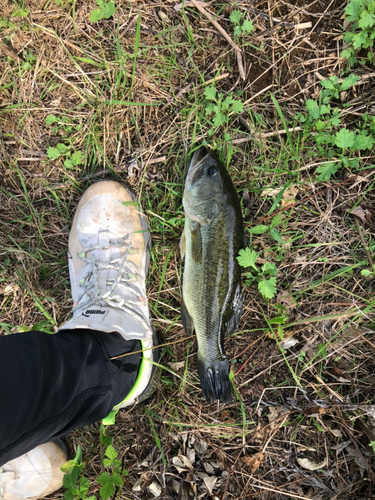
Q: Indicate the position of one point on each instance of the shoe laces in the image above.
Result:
(126, 280)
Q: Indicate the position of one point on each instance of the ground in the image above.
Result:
(125, 97)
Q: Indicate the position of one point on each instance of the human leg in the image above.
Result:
(56, 383)
(108, 261)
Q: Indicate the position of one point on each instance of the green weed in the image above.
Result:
(361, 15)
(241, 25)
(339, 146)
(71, 158)
(272, 228)
(367, 272)
(220, 108)
(112, 480)
(265, 277)
(105, 11)
(63, 124)
(19, 12)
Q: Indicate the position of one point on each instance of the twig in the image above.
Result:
(363, 241)
(359, 334)
(302, 26)
(9, 52)
(217, 78)
(248, 359)
(210, 17)
(267, 134)
(151, 348)
(128, 26)
(276, 20)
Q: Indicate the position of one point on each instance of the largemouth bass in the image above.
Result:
(212, 238)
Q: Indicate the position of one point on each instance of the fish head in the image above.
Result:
(204, 194)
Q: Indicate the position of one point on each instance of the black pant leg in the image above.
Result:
(52, 384)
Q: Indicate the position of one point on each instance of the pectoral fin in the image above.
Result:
(187, 321)
(183, 245)
(196, 242)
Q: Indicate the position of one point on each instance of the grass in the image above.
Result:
(130, 94)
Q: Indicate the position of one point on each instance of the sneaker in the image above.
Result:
(34, 475)
(109, 256)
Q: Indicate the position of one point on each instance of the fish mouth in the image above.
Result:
(196, 161)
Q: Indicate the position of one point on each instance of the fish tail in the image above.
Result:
(214, 378)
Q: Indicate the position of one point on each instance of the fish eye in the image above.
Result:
(211, 172)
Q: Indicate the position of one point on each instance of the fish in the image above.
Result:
(211, 288)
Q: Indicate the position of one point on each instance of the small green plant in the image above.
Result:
(4, 23)
(361, 15)
(265, 277)
(7, 24)
(43, 326)
(77, 486)
(105, 11)
(72, 158)
(62, 124)
(241, 25)
(261, 229)
(340, 146)
(18, 12)
(367, 272)
(29, 60)
(221, 107)
(111, 481)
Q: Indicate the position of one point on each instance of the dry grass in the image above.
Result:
(315, 400)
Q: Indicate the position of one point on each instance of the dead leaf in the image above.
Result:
(359, 212)
(270, 192)
(155, 489)
(209, 481)
(181, 463)
(274, 415)
(56, 102)
(358, 459)
(137, 486)
(7, 289)
(302, 447)
(200, 446)
(208, 468)
(285, 299)
(253, 462)
(289, 196)
(314, 411)
(190, 453)
(336, 432)
(295, 489)
(177, 366)
(308, 464)
(288, 343)
(341, 446)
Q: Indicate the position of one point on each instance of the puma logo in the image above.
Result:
(92, 311)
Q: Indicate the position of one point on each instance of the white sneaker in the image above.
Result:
(34, 475)
(109, 255)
